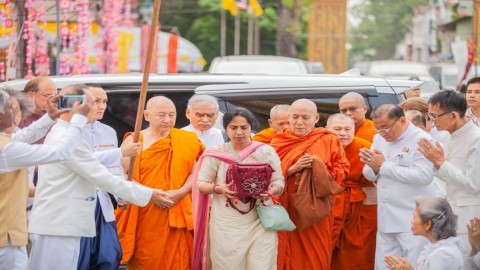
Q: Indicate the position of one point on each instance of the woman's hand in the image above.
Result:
(395, 263)
(225, 190)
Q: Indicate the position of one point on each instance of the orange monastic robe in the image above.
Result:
(355, 224)
(153, 238)
(264, 136)
(365, 131)
(310, 248)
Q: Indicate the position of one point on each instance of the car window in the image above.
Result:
(122, 110)
(326, 105)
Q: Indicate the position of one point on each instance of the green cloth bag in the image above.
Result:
(275, 218)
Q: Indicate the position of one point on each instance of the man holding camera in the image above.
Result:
(65, 199)
(16, 154)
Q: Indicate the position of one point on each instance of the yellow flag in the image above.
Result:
(257, 10)
(230, 5)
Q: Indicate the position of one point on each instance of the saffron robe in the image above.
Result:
(365, 131)
(265, 136)
(310, 248)
(153, 238)
(355, 223)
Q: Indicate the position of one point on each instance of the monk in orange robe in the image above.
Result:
(353, 105)
(278, 121)
(355, 211)
(161, 237)
(310, 248)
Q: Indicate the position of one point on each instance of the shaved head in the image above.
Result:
(343, 126)
(353, 105)
(340, 117)
(161, 114)
(417, 118)
(353, 96)
(279, 117)
(303, 117)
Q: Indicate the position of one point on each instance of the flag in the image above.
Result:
(255, 8)
(230, 5)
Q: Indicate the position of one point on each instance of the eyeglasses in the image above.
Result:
(351, 109)
(432, 116)
(385, 130)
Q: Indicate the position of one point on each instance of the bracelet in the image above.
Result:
(213, 188)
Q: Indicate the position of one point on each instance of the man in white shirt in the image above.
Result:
(16, 154)
(202, 111)
(460, 169)
(103, 251)
(473, 100)
(65, 199)
(401, 173)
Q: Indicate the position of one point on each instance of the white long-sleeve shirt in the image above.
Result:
(20, 154)
(405, 174)
(103, 141)
(209, 138)
(461, 172)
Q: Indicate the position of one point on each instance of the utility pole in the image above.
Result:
(476, 29)
(20, 48)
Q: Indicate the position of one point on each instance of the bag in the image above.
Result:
(250, 180)
(274, 218)
(313, 200)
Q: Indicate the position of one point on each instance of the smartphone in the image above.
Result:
(67, 101)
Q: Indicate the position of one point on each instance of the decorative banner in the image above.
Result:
(172, 54)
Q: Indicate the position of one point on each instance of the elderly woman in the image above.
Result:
(236, 238)
(434, 220)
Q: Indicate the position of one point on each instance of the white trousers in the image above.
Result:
(13, 258)
(54, 252)
(404, 245)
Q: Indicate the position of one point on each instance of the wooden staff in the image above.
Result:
(146, 74)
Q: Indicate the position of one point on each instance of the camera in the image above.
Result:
(67, 101)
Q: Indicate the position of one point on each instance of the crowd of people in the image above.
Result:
(408, 178)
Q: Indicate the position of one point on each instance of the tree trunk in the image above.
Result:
(288, 28)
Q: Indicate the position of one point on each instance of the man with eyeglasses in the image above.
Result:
(38, 90)
(353, 105)
(401, 173)
(202, 111)
(460, 169)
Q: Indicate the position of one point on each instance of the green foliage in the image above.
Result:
(383, 23)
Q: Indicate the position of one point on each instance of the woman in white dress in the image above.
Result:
(434, 220)
(235, 240)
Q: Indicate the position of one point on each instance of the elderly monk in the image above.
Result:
(278, 121)
(160, 237)
(355, 211)
(353, 105)
(310, 248)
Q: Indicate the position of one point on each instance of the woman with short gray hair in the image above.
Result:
(433, 219)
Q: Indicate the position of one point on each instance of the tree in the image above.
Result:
(290, 26)
(383, 25)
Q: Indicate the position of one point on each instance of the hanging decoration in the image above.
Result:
(6, 22)
(42, 60)
(29, 36)
(83, 30)
(110, 21)
(66, 6)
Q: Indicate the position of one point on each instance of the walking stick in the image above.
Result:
(146, 74)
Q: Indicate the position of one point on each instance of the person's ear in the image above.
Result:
(317, 118)
(187, 113)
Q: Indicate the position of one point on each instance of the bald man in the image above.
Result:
(278, 121)
(355, 211)
(161, 237)
(353, 105)
(310, 247)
